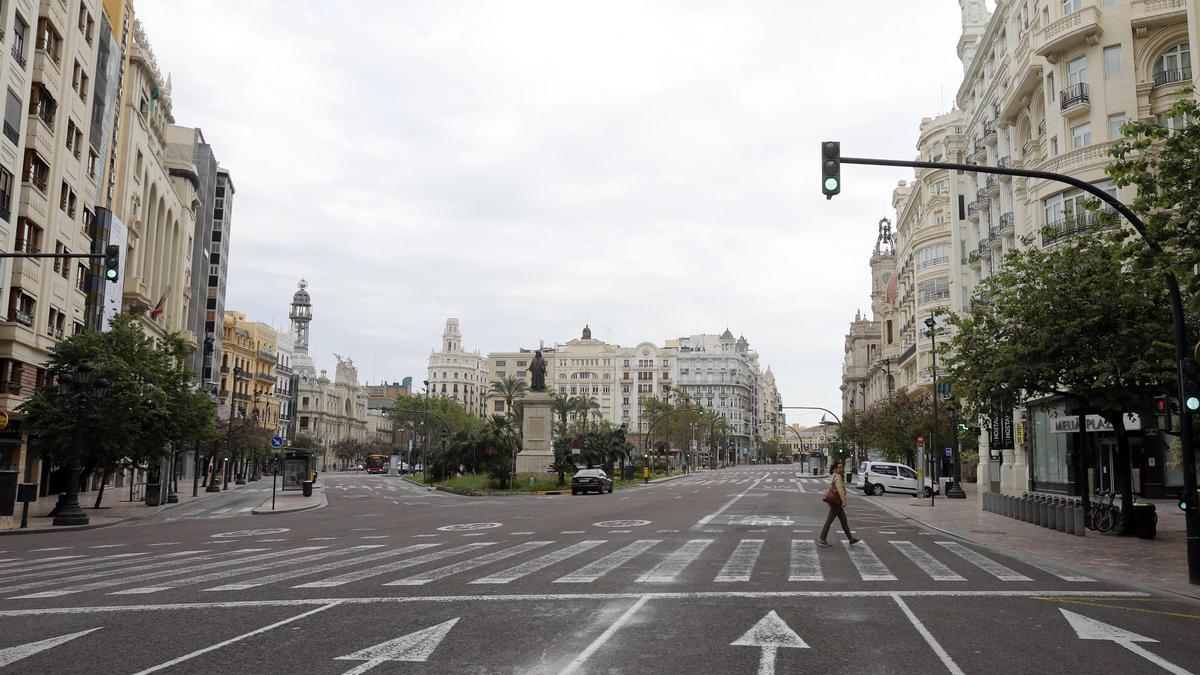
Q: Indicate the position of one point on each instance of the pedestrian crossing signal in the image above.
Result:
(1190, 370)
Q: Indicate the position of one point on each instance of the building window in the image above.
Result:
(29, 237)
(12, 117)
(498, 406)
(932, 290)
(1077, 71)
(1070, 6)
(81, 277)
(1115, 122)
(1112, 61)
(1175, 65)
(1081, 135)
(6, 189)
(938, 254)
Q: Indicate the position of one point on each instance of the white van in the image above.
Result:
(876, 478)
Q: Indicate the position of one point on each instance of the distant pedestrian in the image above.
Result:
(835, 497)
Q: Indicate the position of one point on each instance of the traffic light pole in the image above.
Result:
(1187, 443)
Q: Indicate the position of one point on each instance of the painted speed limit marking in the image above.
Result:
(621, 523)
(252, 533)
(464, 527)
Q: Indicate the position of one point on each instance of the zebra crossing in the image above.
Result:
(640, 562)
(791, 482)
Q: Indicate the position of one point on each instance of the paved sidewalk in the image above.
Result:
(1159, 563)
(290, 502)
(115, 508)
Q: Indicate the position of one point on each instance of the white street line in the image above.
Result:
(222, 574)
(376, 536)
(610, 562)
(522, 533)
(167, 543)
(358, 575)
(986, 564)
(705, 520)
(805, 565)
(232, 640)
(670, 568)
(741, 564)
(571, 532)
(1059, 572)
(465, 565)
(928, 564)
(604, 637)
(426, 535)
(109, 546)
(51, 548)
(220, 511)
(318, 569)
(933, 644)
(529, 567)
(67, 566)
(869, 566)
(91, 574)
(322, 538)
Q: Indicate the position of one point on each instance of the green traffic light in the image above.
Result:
(1193, 403)
(831, 183)
(110, 274)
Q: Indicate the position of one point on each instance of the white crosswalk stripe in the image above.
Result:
(55, 576)
(869, 566)
(396, 566)
(670, 568)
(89, 564)
(1058, 572)
(928, 564)
(18, 562)
(213, 576)
(319, 569)
(986, 564)
(593, 571)
(486, 559)
(805, 565)
(741, 563)
(527, 568)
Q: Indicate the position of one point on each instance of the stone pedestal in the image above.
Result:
(537, 450)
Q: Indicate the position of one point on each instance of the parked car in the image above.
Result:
(876, 478)
(586, 480)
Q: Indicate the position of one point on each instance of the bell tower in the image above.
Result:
(301, 315)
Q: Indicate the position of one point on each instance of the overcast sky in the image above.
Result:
(651, 168)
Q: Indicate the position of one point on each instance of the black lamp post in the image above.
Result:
(83, 392)
(425, 443)
(932, 325)
(955, 491)
(214, 485)
(242, 467)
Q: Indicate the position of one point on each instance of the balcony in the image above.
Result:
(982, 199)
(1172, 76)
(1065, 227)
(12, 387)
(1042, 128)
(36, 178)
(266, 377)
(1074, 98)
(995, 239)
(1007, 224)
(989, 132)
(22, 318)
(984, 249)
(12, 134)
(973, 212)
(992, 184)
(1069, 32)
(1150, 14)
(18, 57)
(1004, 162)
(908, 353)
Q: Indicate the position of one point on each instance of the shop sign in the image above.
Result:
(1001, 431)
(1095, 423)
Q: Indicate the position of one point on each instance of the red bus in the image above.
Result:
(377, 463)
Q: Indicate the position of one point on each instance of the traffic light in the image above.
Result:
(831, 168)
(112, 262)
(1191, 384)
(1162, 412)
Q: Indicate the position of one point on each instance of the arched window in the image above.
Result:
(1175, 65)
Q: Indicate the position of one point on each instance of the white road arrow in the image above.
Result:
(14, 654)
(412, 647)
(1091, 629)
(770, 633)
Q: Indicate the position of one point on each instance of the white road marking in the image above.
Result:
(413, 647)
(90, 564)
(426, 535)
(220, 511)
(318, 569)
(529, 567)
(51, 548)
(465, 565)
(376, 536)
(571, 532)
(322, 538)
(109, 546)
(805, 564)
(1059, 572)
(222, 574)
(522, 533)
(258, 631)
(705, 520)
(18, 562)
(670, 568)
(394, 566)
(603, 638)
(89, 573)
(167, 543)
(770, 634)
(928, 564)
(13, 654)
(741, 564)
(933, 644)
(986, 564)
(610, 562)
(869, 566)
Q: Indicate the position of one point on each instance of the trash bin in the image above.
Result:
(152, 490)
(815, 470)
(306, 486)
(1145, 520)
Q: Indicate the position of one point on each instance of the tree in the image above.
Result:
(1074, 321)
(149, 403)
(510, 388)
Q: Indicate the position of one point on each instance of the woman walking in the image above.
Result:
(836, 498)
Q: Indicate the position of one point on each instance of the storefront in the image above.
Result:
(1156, 468)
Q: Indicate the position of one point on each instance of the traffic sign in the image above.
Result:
(3, 419)
(949, 451)
(276, 442)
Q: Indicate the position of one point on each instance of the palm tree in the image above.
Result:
(563, 406)
(509, 388)
(585, 406)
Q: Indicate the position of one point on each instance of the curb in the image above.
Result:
(75, 528)
(1020, 555)
(268, 512)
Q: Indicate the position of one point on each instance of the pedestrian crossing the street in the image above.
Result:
(645, 562)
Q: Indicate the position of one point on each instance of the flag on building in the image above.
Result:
(161, 306)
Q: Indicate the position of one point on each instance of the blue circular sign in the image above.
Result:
(276, 442)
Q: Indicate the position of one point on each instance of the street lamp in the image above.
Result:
(83, 393)
(214, 485)
(425, 433)
(931, 324)
(887, 363)
(955, 491)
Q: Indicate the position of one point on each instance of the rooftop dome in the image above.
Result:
(301, 295)
(727, 335)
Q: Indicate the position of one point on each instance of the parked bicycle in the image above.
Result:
(1105, 516)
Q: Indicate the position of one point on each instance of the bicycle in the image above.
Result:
(1108, 516)
(1094, 509)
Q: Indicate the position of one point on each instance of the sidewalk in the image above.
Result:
(1159, 563)
(115, 508)
(292, 501)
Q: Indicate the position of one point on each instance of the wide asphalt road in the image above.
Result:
(718, 572)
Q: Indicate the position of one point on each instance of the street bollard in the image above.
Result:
(1007, 508)
(986, 501)
(1022, 508)
(1061, 515)
(1039, 512)
(1052, 514)
(1069, 517)
(1079, 521)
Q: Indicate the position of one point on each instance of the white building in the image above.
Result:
(457, 373)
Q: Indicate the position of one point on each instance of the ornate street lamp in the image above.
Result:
(83, 393)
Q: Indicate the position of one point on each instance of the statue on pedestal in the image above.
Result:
(537, 372)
